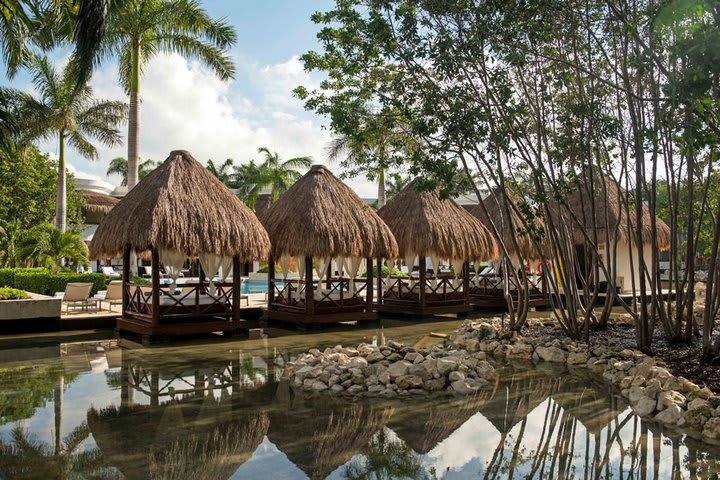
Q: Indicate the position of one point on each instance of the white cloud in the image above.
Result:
(185, 106)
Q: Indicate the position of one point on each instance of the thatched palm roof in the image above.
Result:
(508, 226)
(321, 216)
(141, 445)
(319, 440)
(424, 224)
(181, 206)
(609, 196)
(96, 202)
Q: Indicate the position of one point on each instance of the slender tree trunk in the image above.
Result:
(381, 187)
(134, 133)
(58, 406)
(61, 206)
(134, 119)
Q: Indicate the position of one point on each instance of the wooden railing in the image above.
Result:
(290, 294)
(446, 289)
(186, 304)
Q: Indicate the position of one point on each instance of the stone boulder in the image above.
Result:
(551, 354)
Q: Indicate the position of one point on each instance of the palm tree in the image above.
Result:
(137, 30)
(119, 166)
(47, 246)
(350, 151)
(71, 115)
(395, 185)
(272, 172)
(222, 171)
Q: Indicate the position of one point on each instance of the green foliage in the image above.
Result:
(223, 172)
(140, 281)
(119, 166)
(46, 282)
(7, 293)
(273, 173)
(46, 246)
(24, 389)
(386, 271)
(28, 188)
(266, 270)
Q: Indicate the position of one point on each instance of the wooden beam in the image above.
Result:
(309, 291)
(271, 281)
(155, 267)
(423, 277)
(125, 277)
(466, 280)
(368, 285)
(379, 280)
(237, 280)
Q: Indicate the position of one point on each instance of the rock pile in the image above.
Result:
(390, 370)
(653, 391)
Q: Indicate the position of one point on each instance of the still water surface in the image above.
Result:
(219, 410)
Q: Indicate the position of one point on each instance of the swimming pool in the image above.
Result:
(253, 286)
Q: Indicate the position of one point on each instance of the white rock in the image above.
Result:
(577, 358)
(465, 386)
(447, 364)
(712, 428)
(667, 399)
(697, 403)
(319, 386)
(398, 368)
(551, 354)
(671, 415)
(455, 376)
(645, 406)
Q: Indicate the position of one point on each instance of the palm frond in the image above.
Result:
(298, 162)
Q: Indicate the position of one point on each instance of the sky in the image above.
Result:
(184, 106)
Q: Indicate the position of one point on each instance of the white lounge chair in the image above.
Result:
(110, 272)
(77, 295)
(112, 296)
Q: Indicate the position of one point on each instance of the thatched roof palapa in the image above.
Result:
(181, 206)
(610, 196)
(97, 202)
(507, 226)
(322, 217)
(424, 224)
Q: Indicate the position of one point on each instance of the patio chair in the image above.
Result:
(113, 295)
(77, 295)
(110, 272)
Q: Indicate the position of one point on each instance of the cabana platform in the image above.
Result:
(159, 220)
(329, 230)
(426, 226)
(508, 228)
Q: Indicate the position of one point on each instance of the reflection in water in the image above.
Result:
(220, 414)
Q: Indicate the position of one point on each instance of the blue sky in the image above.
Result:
(185, 106)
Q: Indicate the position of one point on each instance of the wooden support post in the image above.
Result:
(466, 281)
(271, 281)
(154, 387)
(126, 278)
(237, 280)
(368, 285)
(423, 279)
(309, 291)
(155, 286)
(328, 274)
(379, 280)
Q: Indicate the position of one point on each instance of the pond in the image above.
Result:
(219, 410)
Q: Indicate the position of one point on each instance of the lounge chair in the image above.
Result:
(77, 295)
(113, 295)
(110, 272)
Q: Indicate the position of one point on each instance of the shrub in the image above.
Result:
(7, 275)
(140, 281)
(395, 272)
(7, 293)
(265, 270)
(47, 283)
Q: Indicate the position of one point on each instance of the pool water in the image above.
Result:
(253, 286)
(219, 410)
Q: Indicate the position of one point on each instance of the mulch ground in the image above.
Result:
(681, 359)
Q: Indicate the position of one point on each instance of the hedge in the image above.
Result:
(7, 293)
(45, 282)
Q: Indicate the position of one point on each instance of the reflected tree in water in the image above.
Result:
(25, 457)
(383, 459)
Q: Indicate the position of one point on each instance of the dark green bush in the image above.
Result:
(47, 283)
(395, 272)
(7, 275)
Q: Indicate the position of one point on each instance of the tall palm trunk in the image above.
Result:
(134, 133)
(381, 188)
(61, 204)
(134, 119)
(58, 394)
